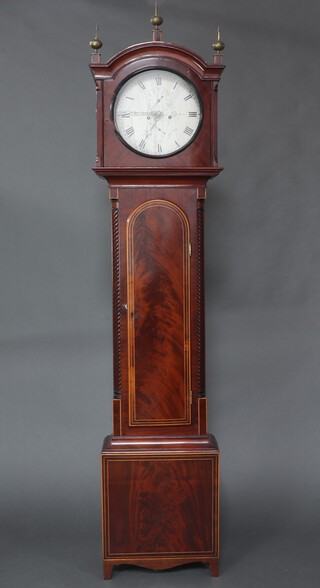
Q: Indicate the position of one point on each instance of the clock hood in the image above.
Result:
(150, 50)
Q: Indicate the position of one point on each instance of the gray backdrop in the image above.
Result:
(262, 289)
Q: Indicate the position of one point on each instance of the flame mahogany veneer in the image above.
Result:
(160, 467)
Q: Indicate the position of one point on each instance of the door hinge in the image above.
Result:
(190, 249)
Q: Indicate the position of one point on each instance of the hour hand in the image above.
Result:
(127, 114)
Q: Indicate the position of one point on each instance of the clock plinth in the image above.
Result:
(160, 500)
(157, 149)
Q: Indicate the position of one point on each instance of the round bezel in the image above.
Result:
(162, 150)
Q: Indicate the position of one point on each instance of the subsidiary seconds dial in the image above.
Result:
(157, 112)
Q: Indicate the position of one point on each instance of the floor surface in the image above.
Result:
(280, 560)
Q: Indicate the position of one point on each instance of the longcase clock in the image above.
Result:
(157, 149)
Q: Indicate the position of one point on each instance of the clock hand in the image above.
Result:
(154, 126)
(161, 131)
(128, 113)
(157, 102)
(141, 113)
(148, 134)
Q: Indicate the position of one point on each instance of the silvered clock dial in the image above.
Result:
(157, 112)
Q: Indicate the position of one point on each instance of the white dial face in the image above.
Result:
(157, 112)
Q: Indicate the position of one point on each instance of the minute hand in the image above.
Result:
(151, 112)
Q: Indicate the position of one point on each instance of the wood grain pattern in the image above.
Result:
(183, 200)
(160, 502)
(160, 469)
(167, 504)
(158, 314)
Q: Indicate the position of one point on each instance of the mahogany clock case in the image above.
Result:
(262, 290)
(160, 468)
(113, 155)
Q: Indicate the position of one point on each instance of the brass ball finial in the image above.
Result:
(156, 20)
(219, 45)
(96, 44)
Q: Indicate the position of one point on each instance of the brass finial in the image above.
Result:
(96, 44)
(156, 20)
(219, 45)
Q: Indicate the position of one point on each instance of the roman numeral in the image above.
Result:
(188, 131)
(130, 131)
(177, 144)
(158, 81)
(193, 113)
(159, 148)
(125, 115)
(142, 144)
(174, 87)
(141, 84)
(129, 98)
(188, 97)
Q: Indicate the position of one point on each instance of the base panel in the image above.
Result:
(160, 502)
